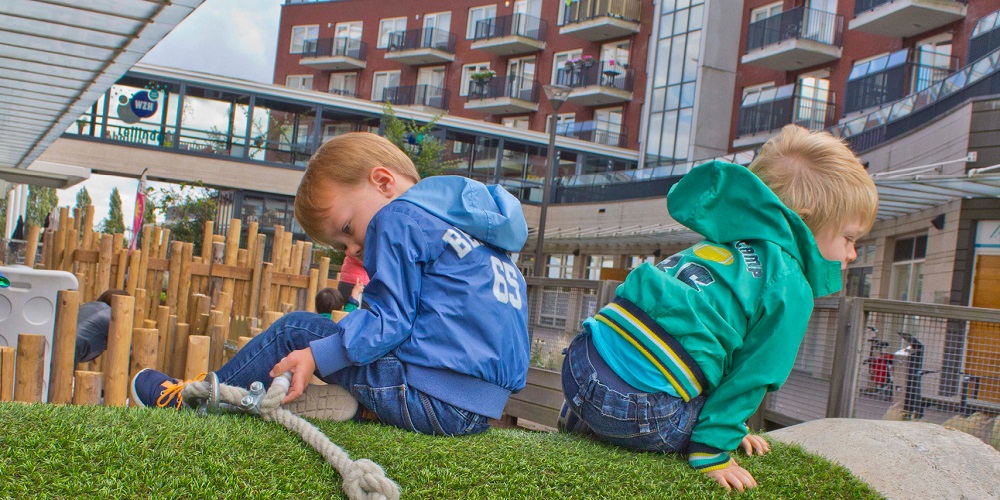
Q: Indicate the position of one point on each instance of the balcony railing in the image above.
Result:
(344, 92)
(417, 95)
(605, 74)
(774, 108)
(424, 38)
(889, 78)
(512, 25)
(340, 46)
(596, 132)
(586, 10)
(515, 87)
(985, 37)
(862, 6)
(799, 23)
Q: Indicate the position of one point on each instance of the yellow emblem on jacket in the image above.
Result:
(714, 253)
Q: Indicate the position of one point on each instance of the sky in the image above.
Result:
(234, 38)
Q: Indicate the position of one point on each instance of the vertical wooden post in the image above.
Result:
(163, 326)
(47, 243)
(29, 368)
(104, 266)
(6, 373)
(31, 250)
(122, 267)
(87, 227)
(269, 318)
(141, 281)
(218, 335)
(324, 272)
(174, 274)
(311, 293)
(70, 247)
(206, 241)
(139, 315)
(145, 351)
(264, 302)
(184, 289)
(197, 356)
(180, 350)
(64, 347)
(258, 267)
(119, 343)
(88, 388)
(241, 297)
(242, 341)
(134, 262)
(230, 254)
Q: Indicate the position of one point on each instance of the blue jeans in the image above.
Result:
(380, 386)
(620, 414)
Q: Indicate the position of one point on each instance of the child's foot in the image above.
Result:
(151, 388)
(570, 422)
(324, 402)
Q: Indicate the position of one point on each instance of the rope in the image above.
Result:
(362, 479)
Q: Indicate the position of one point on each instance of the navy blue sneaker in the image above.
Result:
(151, 388)
(570, 422)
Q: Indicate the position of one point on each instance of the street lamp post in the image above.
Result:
(557, 95)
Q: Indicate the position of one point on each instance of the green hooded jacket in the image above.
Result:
(736, 304)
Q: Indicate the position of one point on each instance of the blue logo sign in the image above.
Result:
(143, 105)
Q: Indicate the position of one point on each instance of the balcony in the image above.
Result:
(904, 18)
(418, 96)
(510, 35)
(344, 92)
(597, 84)
(600, 20)
(985, 36)
(794, 39)
(503, 96)
(890, 78)
(596, 132)
(334, 54)
(763, 113)
(421, 46)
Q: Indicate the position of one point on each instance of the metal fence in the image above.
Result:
(556, 309)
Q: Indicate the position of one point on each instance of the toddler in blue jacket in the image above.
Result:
(441, 340)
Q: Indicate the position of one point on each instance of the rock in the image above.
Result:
(977, 424)
(904, 460)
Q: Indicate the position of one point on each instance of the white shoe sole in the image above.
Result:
(324, 402)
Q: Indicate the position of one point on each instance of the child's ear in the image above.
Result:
(384, 180)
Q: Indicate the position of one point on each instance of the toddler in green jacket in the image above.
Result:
(685, 352)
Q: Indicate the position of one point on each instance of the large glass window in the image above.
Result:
(304, 82)
(477, 14)
(933, 61)
(300, 34)
(908, 268)
(677, 51)
(467, 72)
(344, 84)
(382, 81)
(387, 27)
(560, 266)
(596, 263)
(214, 122)
(281, 132)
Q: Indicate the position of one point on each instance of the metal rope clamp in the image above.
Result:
(249, 404)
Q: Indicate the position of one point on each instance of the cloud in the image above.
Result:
(234, 38)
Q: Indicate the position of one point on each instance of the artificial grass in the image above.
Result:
(49, 451)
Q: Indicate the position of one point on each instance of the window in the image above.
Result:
(598, 262)
(387, 26)
(437, 29)
(907, 268)
(608, 126)
(560, 266)
(300, 34)
(859, 272)
(477, 14)
(304, 82)
(467, 72)
(518, 122)
(559, 62)
(752, 89)
(565, 124)
(382, 81)
(761, 13)
(934, 61)
(351, 30)
(344, 84)
(555, 308)
(638, 260)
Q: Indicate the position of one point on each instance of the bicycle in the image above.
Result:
(879, 362)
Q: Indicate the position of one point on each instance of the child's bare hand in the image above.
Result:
(302, 365)
(733, 476)
(356, 291)
(755, 444)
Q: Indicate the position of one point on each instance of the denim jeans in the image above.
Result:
(620, 414)
(380, 386)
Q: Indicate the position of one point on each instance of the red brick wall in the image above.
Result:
(328, 14)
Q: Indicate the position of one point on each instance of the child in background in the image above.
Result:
(442, 340)
(329, 300)
(688, 348)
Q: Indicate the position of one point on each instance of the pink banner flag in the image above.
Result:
(140, 210)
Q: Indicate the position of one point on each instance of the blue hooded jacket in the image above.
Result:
(444, 296)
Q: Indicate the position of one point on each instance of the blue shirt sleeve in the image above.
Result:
(395, 254)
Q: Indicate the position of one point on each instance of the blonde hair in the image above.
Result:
(818, 177)
(344, 160)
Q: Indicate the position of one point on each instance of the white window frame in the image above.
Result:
(559, 59)
(299, 82)
(467, 70)
(342, 79)
(470, 27)
(353, 29)
(515, 122)
(387, 74)
(914, 276)
(561, 118)
(756, 88)
(766, 11)
(303, 32)
(388, 25)
(597, 262)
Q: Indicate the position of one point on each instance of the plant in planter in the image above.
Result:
(483, 76)
(580, 62)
